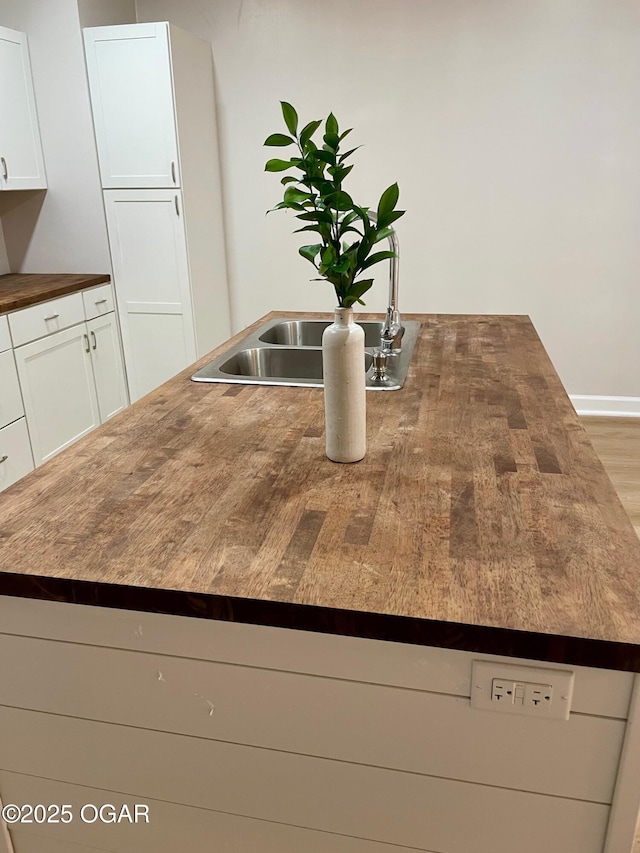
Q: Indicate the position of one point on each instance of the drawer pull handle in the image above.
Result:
(177, 208)
(3, 459)
(173, 171)
(100, 301)
(86, 340)
(51, 317)
(95, 342)
(5, 171)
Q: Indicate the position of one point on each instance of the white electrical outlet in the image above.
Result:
(520, 689)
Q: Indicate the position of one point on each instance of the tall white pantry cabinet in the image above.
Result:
(153, 106)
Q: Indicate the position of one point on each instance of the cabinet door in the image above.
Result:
(15, 458)
(132, 101)
(58, 390)
(22, 165)
(151, 276)
(10, 397)
(106, 359)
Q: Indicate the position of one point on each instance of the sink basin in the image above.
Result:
(288, 352)
(308, 333)
(293, 365)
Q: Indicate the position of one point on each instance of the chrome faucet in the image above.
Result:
(392, 331)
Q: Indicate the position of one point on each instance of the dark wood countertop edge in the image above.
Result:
(552, 648)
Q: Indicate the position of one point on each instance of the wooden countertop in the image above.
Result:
(480, 519)
(20, 290)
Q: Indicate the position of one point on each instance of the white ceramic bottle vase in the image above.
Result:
(344, 388)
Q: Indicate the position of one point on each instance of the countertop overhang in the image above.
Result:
(481, 518)
(19, 290)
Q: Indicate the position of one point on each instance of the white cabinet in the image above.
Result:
(15, 453)
(59, 390)
(130, 73)
(21, 161)
(10, 397)
(151, 268)
(153, 106)
(106, 361)
(69, 366)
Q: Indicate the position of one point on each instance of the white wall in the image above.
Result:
(105, 13)
(62, 230)
(511, 126)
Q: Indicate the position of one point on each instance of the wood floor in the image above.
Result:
(617, 443)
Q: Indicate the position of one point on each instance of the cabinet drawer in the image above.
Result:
(10, 398)
(98, 301)
(5, 339)
(47, 317)
(15, 453)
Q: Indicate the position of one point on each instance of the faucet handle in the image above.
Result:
(380, 357)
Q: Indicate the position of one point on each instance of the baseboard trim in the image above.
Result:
(608, 407)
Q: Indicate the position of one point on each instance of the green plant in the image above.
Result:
(320, 202)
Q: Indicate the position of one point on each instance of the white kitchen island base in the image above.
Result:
(263, 740)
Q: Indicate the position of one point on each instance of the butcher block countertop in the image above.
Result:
(480, 519)
(18, 290)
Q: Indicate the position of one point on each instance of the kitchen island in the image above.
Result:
(308, 685)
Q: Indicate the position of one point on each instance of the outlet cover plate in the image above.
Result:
(484, 672)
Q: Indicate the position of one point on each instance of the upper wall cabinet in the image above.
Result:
(21, 160)
(129, 71)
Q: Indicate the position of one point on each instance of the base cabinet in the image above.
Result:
(59, 390)
(15, 453)
(66, 368)
(106, 361)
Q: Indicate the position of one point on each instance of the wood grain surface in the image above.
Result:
(19, 290)
(480, 519)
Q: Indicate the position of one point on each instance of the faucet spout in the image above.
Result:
(392, 330)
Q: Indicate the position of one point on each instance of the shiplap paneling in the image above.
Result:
(421, 732)
(171, 827)
(597, 691)
(316, 793)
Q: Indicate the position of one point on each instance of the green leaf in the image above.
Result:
(382, 233)
(376, 258)
(279, 139)
(327, 259)
(331, 126)
(388, 218)
(339, 201)
(316, 216)
(278, 165)
(289, 179)
(290, 117)
(286, 205)
(308, 130)
(357, 289)
(325, 156)
(331, 141)
(348, 154)
(309, 252)
(344, 133)
(319, 229)
(323, 186)
(388, 200)
(293, 194)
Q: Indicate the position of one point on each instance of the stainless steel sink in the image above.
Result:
(297, 366)
(308, 333)
(288, 352)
